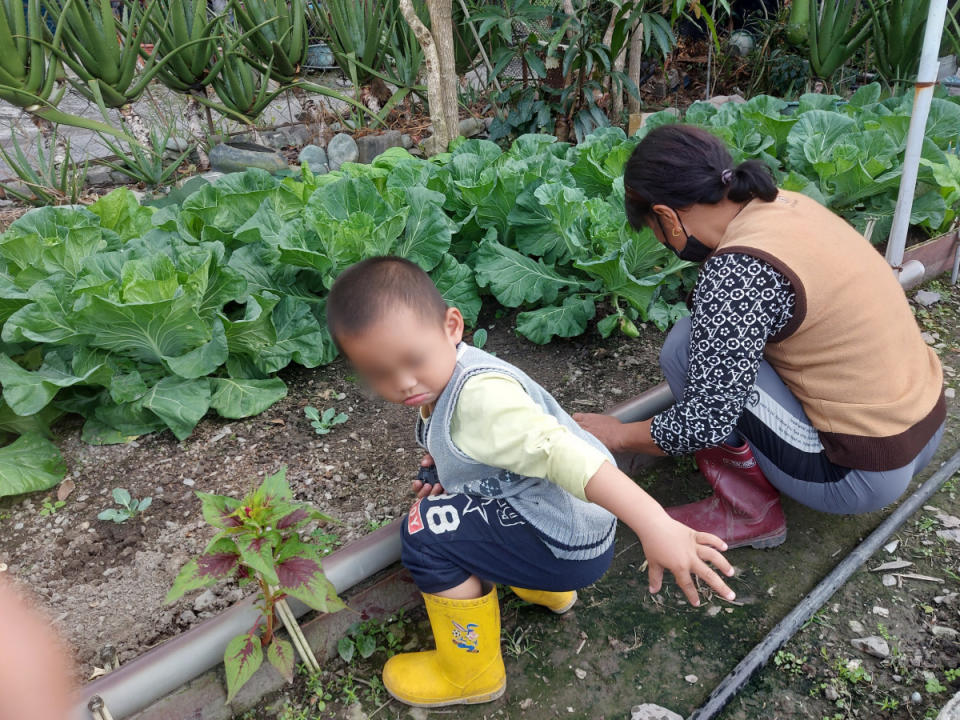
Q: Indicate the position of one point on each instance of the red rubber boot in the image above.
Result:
(744, 508)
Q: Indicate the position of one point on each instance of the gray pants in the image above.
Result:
(787, 446)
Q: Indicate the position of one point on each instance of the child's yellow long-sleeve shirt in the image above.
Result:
(497, 423)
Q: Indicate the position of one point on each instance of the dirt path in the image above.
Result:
(104, 583)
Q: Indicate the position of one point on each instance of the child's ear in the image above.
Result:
(453, 325)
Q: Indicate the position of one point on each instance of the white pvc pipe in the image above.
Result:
(926, 80)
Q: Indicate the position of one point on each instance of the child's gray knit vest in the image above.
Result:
(571, 528)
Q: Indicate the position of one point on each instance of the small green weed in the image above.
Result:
(51, 506)
(326, 541)
(518, 642)
(324, 423)
(377, 524)
(365, 638)
(789, 663)
(933, 685)
(129, 507)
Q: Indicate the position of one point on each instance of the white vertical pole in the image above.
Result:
(923, 95)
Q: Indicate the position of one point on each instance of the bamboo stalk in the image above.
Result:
(296, 635)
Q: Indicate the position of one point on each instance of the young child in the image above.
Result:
(523, 496)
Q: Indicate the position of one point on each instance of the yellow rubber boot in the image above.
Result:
(558, 602)
(465, 668)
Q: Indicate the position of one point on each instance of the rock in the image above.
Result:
(948, 599)
(470, 127)
(370, 146)
(941, 631)
(430, 146)
(713, 610)
(897, 678)
(525, 703)
(928, 338)
(891, 547)
(872, 645)
(949, 393)
(286, 136)
(341, 149)
(718, 100)
(187, 617)
(355, 712)
(189, 482)
(211, 176)
(120, 178)
(239, 156)
(953, 535)
(406, 141)
(927, 297)
(856, 627)
(881, 611)
(951, 711)
(580, 673)
(316, 159)
(98, 175)
(205, 601)
(692, 679)
(649, 711)
(915, 697)
(830, 693)
(888, 580)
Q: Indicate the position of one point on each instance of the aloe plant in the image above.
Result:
(357, 32)
(898, 27)
(29, 68)
(274, 33)
(102, 51)
(243, 89)
(833, 34)
(184, 30)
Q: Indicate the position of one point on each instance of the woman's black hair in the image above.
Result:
(681, 165)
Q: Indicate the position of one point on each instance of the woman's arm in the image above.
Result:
(740, 303)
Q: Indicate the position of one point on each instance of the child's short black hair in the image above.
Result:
(366, 291)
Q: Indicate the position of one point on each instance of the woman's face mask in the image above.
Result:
(693, 251)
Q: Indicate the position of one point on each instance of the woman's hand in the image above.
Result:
(425, 489)
(681, 550)
(608, 430)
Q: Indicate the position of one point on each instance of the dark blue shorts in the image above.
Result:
(448, 538)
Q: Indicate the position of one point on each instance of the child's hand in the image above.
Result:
(681, 550)
(426, 483)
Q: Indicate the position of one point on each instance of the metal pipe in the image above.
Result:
(923, 96)
(160, 671)
(805, 609)
(643, 406)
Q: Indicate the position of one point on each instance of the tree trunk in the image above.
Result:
(195, 128)
(636, 60)
(437, 46)
(616, 89)
(135, 124)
